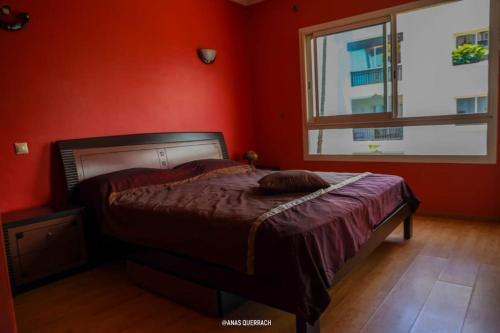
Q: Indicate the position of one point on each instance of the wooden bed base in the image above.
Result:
(213, 302)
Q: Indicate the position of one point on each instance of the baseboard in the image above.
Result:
(458, 216)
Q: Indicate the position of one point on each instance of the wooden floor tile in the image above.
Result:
(444, 310)
(460, 271)
(356, 305)
(402, 306)
(484, 309)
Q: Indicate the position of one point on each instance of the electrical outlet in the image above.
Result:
(21, 148)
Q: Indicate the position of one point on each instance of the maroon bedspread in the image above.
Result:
(217, 214)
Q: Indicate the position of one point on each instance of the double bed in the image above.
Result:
(191, 212)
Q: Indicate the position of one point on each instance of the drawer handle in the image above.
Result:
(50, 235)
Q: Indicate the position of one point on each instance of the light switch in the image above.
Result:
(21, 148)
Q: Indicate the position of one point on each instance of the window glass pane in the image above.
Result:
(371, 104)
(482, 104)
(377, 134)
(376, 57)
(466, 105)
(431, 81)
(443, 140)
(351, 66)
(482, 38)
(466, 39)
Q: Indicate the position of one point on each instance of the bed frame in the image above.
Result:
(85, 158)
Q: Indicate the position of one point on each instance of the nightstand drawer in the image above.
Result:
(59, 233)
(36, 265)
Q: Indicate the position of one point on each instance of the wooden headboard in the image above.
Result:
(90, 157)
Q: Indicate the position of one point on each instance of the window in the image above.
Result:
(374, 104)
(376, 56)
(350, 59)
(466, 39)
(482, 104)
(367, 56)
(377, 134)
(483, 38)
(466, 105)
(352, 72)
(471, 47)
(469, 105)
(480, 38)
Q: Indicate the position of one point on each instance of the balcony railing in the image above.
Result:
(372, 76)
(378, 134)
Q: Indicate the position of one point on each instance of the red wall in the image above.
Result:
(92, 68)
(444, 188)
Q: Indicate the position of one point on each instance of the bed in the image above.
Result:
(195, 214)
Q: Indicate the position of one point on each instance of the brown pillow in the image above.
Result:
(292, 181)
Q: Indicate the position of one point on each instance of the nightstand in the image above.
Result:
(42, 244)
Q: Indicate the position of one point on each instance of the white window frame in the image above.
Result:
(387, 119)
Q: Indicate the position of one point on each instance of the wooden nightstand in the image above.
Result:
(41, 244)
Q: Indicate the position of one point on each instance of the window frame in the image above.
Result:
(307, 36)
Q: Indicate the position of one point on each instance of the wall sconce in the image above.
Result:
(20, 21)
(207, 56)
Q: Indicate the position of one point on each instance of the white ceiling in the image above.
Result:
(247, 2)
